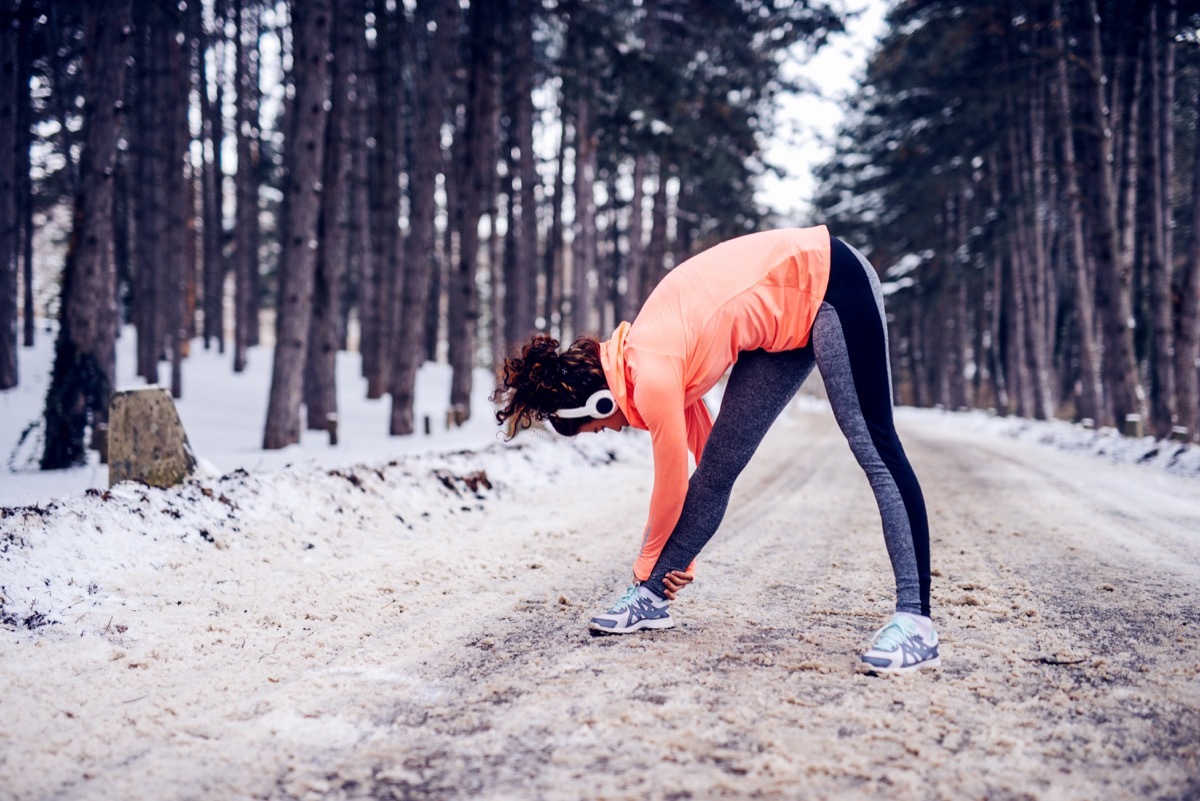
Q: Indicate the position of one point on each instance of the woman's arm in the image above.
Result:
(659, 397)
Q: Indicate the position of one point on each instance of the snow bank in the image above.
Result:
(52, 556)
(1102, 443)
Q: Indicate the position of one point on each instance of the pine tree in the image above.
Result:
(304, 161)
(10, 181)
(84, 356)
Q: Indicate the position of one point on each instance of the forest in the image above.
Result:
(435, 179)
(1026, 173)
(430, 179)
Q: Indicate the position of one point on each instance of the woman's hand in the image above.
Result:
(675, 581)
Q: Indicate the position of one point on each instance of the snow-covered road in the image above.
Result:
(411, 631)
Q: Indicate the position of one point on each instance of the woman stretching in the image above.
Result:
(770, 306)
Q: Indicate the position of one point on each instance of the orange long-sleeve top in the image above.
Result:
(759, 291)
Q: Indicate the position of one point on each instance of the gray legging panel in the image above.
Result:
(849, 346)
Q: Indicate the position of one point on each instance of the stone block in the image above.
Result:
(146, 440)
(1133, 426)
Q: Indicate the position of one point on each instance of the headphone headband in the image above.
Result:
(601, 404)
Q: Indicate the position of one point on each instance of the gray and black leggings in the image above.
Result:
(849, 346)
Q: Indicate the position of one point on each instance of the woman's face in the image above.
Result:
(616, 421)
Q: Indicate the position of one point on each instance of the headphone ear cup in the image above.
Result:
(599, 405)
(602, 404)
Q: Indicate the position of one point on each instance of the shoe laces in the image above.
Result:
(627, 600)
(890, 636)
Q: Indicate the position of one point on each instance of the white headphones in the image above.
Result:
(600, 405)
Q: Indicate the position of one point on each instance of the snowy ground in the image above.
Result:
(405, 620)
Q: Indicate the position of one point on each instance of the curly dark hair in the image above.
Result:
(540, 381)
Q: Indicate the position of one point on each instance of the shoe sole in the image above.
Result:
(875, 670)
(659, 623)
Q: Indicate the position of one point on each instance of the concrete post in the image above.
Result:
(146, 440)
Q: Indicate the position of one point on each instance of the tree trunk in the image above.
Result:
(995, 357)
(553, 255)
(438, 64)
(960, 341)
(179, 264)
(393, 289)
(583, 247)
(147, 186)
(1019, 336)
(1187, 316)
(611, 265)
(305, 153)
(1113, 276)
(521, 284)
(1026, 254)
(1090, 392)
(214, 190)
(10, 183)
(439, 326)
(59, 98)
(378, 309)
(85, 354)
(478, 132)
(320, 378)
(25, 47)
(1039, 324)
(1158, 261)
(656, 249)
(246, 230)
(635, 265)
(1167, 164)
(358, 221)
(917, 352)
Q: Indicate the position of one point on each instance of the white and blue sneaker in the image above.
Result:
(637, 609)
(904, 644)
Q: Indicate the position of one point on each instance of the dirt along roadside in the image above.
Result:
(1066, 590)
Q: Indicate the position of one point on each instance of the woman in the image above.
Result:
(770, 306)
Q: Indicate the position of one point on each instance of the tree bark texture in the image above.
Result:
(25, 46)
(552, 257)
(1158, 262)
(1113, 275)
(179, 264)
(583, 244)
(1187, 317)
(81, 382)
(381, 289)
(635, 265)
(212, 97)
(305, 153)
(1082, 273)
(246, 226)
(474, 176)
(437, 59)
(10, 183)
(320, 378)
(521, 281)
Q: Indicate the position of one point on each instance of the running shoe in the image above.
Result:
(899, 647)
(638, 609)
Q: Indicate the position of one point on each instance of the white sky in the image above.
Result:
(807, 122)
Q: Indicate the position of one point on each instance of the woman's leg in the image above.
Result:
(850, 345)
(760, 385)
